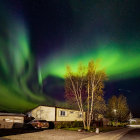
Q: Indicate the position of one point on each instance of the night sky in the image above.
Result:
(38, 38)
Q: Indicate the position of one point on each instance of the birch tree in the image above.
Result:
(82, 87)
(74, 87)
(95, 79)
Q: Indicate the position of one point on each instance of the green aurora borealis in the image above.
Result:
(16, 67)
(23, 69)
(117, 62)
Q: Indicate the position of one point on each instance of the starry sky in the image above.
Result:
(38, 38)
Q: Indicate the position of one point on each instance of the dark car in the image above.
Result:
(38, 124)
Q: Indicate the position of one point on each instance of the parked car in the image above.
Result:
(38, 124)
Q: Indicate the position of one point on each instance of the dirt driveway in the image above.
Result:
(53, 134)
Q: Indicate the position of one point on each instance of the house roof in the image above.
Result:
(135, 118)
(11, 114)
(54, 107)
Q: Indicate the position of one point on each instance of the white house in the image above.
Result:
(56, 114)
(134, 120)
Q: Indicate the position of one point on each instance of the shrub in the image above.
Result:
(73, 124)
(120, 124)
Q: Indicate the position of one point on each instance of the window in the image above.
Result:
(62, 113)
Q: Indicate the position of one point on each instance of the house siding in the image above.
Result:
(70, 115)
(53, 114)
(11, 121)
(44, 113)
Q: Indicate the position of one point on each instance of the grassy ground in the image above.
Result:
(73, 129)
(101, 129)
(109, 128)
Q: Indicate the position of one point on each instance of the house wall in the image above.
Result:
(44, 113)
(70, 115)
(14, 119)
(11, 121)
(134, 121)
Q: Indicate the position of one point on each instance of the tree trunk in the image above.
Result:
(88, 108)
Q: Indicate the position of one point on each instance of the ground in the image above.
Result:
(122, 134)
(132, 135)
(59, 134)
(51, 135)
(112, 135)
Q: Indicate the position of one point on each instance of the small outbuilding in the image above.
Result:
(134, 121)
(11, 120)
